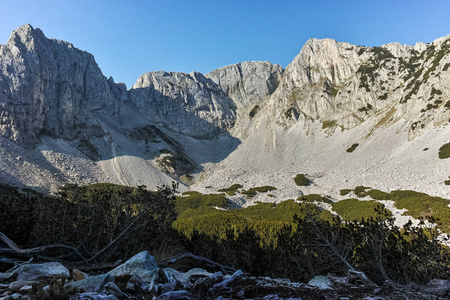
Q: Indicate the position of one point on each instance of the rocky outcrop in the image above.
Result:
(248, 82)
(199, 284)
(48, 87)
(190, 104)
(343, 85)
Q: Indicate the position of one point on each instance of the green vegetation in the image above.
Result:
(418, 205)
(291, 113)
(254, 111)
(355, 210)
(444, 151)
(447, 182)
(303, 240)
(369, 70)
(197, 203)
(365, 108)
(92, 216)
(314, 198)
(344, 192)
(378, 195)
(352, 148)
(251, 192)
(301, 180)
(232, 190)
(329, 124)
(383, 97)
(447, 104)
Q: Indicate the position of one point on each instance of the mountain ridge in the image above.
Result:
(253, 121)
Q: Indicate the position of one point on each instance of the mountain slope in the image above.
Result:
(252, 123)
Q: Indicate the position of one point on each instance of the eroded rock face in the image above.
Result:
(186, 103)
(48, 87)
(248, 82)
(344, 85)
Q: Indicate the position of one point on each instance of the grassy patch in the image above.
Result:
(353, 209)
(444, 151)
(301, 180)
(352, 148)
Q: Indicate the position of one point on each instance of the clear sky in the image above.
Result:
(129, 38)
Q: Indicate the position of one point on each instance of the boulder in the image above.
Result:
(32, 272)
(90, 284)
(176, 295)
(321, 282)
(142, 265)
(437, 287)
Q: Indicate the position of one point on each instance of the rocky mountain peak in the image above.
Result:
(248, 82)
(187, 103)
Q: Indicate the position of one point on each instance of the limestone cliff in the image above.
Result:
(187, 103)
(48, 87)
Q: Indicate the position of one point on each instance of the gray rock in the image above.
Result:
(49, 87)
(32, 272)
(229, 280)
(321, 282)
(90, 284)
(249, 82)
(92, 296)
(184, 277)
(15, 286)
(4, 277)
(111, 289)
(186, 103)
(176, 295)
(142, 265)
(437, 287)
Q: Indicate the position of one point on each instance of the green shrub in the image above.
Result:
(198, 203)
(314, 198)
(301, 180)
(344, 192)
(447, 182)
(352, 148)
(329, 124)
(379, 195)
(444, 151)
(353, 209)
(254, 111)
(360, 191)
(232, 190)
(250, 193)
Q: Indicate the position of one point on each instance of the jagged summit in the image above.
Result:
(62, 120)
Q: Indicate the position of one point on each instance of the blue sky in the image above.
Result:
(129, 38)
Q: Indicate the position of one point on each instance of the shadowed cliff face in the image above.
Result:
(189, 104)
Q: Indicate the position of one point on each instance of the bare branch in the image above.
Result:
(14, 248)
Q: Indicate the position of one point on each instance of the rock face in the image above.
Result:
(62, 121)
(344, 85)
(248, 82)
(187, 103)
(48, 87)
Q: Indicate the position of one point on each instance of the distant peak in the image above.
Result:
(27, 31)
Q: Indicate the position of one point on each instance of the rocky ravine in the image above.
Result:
(252, 123)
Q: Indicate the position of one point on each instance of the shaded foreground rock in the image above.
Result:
(141, 278)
